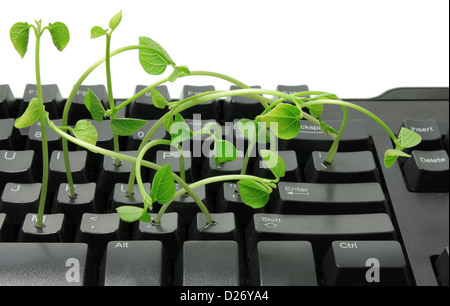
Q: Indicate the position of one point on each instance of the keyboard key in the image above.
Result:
(143, 107)
(2, 227)
(34, 140)
(225, 228)
(169, 231)
(18, 200)
(207, 110)
(51, 96)
(57, 169)
(428, 130)
(17, 167)
(311, 138)
(111, 174)
(427, 171)
(238, 107)
(86, 201)
(172, 158)
(441, 267)
(293, 173)
(134, 140)
(105, 138)
(7, 102)
(320, 230)
(350, 263)
(135, 263)
(78, 109)
(283, 263)
(10, 138)
(201, 262)
(119, 197)
(47, 264)
(307, 198)
(348, 167)
(210, 169)
(291, 89)
(98, 229)
(53, 231)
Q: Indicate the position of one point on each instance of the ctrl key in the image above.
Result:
(365, 263)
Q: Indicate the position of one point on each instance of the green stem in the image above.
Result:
(334, 147)
(251, 145)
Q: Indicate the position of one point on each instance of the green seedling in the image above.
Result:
(280, 119)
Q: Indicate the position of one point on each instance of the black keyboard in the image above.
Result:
(324, 225)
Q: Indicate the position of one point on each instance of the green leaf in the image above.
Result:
(408, 138)
(253, 194)
(224, 151)
(126, 126)
(115, 21)
(315, 110)
(94, 106)
(179, 129)
(274, 162)
(158, 99)
(131, 213)
(145, 217)
(391, 155)
(177, 71)
(30, 116)
(97, 32)
(60, 35)
(155, 61)
(85, 131)
(19, 34)
(163, 185)
(283, 120)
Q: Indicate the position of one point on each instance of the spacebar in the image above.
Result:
(320, 230)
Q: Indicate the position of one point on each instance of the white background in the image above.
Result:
(353, 48)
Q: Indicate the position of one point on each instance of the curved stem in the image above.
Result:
(334, 147)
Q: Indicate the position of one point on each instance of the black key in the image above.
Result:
(229, 200)
(441, 265)
(428, 130)
(86, 201)
(205, 110)
(47, 264)
(307, 198)
(2, 229)
(446, 140)
(7, 102)
(210, 169)
(134, 140)
(320, 230)
(364, 263)
(10, 138)
(291, 89)
(98, 229)
(172, 158)
(283, 263)
(186, 207)
(348, 167)
(237, 107)
(18, 200)
(311, 138)
(17, 167)
(34, 140)
(57, 169)
(51, 96)
(201, 262)
(105, 138)
(427, 171)
(143, 106)
(293, 173)
(53, 231)
(120, 197)
(111, 174)
(169, 231)
(78, 109)
(224, 228)
(135, 263)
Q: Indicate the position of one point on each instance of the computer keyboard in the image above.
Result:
(351, 223)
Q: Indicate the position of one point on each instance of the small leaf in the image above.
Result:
(179, 129)
(253, 193)
(154, 62)
(115, 21)
(130, 213)
(315, 110)
(30, 116)
(94, 106)
(274, 162)
(60, 35)
(158, 99)
(145, 217)
(177, 71)
(283, 120)
(85, 131)
(163, 185)
(224, 151)
(408, 138)
(126, 126)
(391, 155)
(19, 34)
(97, 32)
